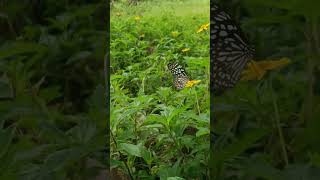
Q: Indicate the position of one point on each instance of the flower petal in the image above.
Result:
(192, 83)
(256, 70)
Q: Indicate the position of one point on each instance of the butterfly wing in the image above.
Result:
(180, 77)
(229, 49)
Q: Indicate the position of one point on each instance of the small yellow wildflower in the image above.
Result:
(256, 70)
(192, 83)
(118, 13)
(203, 27)
(185, 50)
(175, 33)
(206, 26)
(137, 18)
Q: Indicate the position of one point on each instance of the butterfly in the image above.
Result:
(180, 78)
(229, 49)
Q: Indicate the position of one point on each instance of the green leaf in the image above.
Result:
(98, 97)
(261, 169)
(6, 136)
(237, 147)
(175, 178)
(21, 48)
(50, 93)
(202, 132)
(131, 149)
(82, 55)
(146, 155)
(6, 90)
(59, 159)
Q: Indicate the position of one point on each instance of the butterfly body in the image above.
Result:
(180, 77)
(229, 50)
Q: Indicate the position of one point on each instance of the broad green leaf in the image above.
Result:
(131, 149)
(202, 132)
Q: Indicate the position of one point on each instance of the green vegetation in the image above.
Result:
(53, 121)
(158, 131)
(269, 129)
(52, 105)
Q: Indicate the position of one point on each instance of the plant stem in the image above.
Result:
(142, 84)
(310, 37)
(197, 100)
(315, 34)
(121, 155)
(277, 118)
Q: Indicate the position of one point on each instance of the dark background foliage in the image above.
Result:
(52, 105)
(268, 129)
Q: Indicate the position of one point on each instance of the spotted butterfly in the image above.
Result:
(180, 78)
(229, 50)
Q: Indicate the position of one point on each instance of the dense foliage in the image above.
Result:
(52, 105)
(269, 129)
(53, 121)
(158, 131)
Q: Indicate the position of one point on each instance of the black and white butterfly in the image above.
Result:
(229, 49)
(180, 77)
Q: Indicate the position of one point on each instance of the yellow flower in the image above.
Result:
(185, 50)
(118, 13)
(203, 27)
(137, 18)
(206, 26)
(192, 83)
(256, 70)
(175, 34)
(200, 30)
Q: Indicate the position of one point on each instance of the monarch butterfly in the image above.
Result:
(229, 50)
(180, 78)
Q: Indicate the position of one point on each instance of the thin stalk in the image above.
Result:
(309, 71)
(315, 34)
(197, 100)
(121, 155)
(135, 130)
(11, 28)
(143, 84)
(277, 118)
